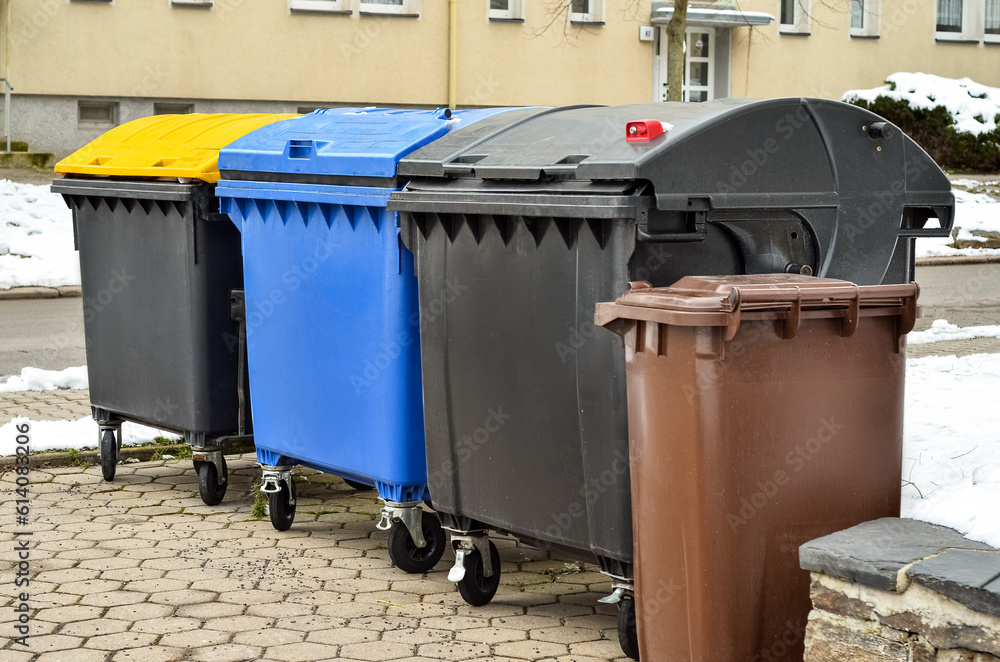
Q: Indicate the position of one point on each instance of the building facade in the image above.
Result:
(80, 67)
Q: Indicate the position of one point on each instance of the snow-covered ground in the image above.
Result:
(81, 433)
(36, 238)
(973, 106)
(36, 379)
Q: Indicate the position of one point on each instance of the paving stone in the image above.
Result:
(417, 636)
(226, 653)
(565, 635)
(68, 614)
(209, 610)
(182, 597)
(122, 640)
(268, 637)
(95, 627)
(531, 650)
(310, 623)
(166, 625)
(194, 638)
(341, 636)
(491, 635)
(376, 650)
(604, 649)
(303, 652)
(454, 650)
(526, 622)
(149, 654)
(351, 609)
(77, 655)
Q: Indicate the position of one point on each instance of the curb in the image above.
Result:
(41, 292)
(141, 453)
(76, 290)
(957, 260)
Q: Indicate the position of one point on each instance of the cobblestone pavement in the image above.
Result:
(45, 405)
(141, 569)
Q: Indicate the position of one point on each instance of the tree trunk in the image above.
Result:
(676, 34)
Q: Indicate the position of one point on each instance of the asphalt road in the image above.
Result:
(48, 333)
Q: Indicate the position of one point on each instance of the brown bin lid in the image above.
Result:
(721, 301)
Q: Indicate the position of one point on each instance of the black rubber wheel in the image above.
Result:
(109, 454)
(476, 588)
(208, 486)
(281, 509)
(361, 487)
(627, 637)
(404, 553)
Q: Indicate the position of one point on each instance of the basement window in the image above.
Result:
(92, 114)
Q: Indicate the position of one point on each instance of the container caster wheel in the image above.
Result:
(405, 554)
(476, 588)
(209, 486)
(109, 454)
(281, 506)
(627, 636)
(361, 487)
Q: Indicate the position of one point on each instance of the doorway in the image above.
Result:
(699, 64)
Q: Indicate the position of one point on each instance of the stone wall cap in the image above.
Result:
(874, 552)
(971, 577)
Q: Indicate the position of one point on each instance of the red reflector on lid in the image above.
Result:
(642, 131)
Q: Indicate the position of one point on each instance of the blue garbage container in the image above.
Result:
(332, 311)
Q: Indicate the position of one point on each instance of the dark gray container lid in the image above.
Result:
(723, 154)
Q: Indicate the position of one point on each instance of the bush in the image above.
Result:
(934, 130)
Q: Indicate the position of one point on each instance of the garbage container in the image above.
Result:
(157, 263)
(332, 317)
(764, 411)
(556, 210)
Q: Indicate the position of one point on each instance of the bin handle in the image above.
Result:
(698, 234)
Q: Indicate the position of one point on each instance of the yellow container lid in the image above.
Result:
(182, 146)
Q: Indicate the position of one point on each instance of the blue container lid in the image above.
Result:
(358, 142)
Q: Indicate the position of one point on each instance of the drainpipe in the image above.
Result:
(453, 55)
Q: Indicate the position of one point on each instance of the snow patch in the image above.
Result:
(36, 230)
(81, 433)
(951, 447)
(941, 330)
(36, 379)
(974, 106)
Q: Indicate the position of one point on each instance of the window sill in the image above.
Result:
(992, 40)
(332, 12)
(793, 33)
(865, 36)
(596, 24)
(193, 5)
(955, 40)
(388, 14)
(494, 19)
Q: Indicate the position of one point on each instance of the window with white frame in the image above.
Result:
(404, 7)
(992, 27)
(586, 11)
(950, 16)
(319, 5)
(794, 16)
(865, 17)
(506, 10)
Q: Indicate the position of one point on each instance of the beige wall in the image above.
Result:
(829, 61)
(257, 49)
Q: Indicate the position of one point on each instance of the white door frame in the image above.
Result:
(660, 68)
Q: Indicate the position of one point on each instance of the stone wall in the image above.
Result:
(902, 591)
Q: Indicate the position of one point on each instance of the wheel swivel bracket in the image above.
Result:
(619, 590)
(271, 479)
(464, 543)
(410, 514)
(213, 455)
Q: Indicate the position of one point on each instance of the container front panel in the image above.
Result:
(333, 339)
(524, 398)
(160, 342)
(740, 454)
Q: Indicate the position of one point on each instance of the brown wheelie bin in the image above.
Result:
(764, 411)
